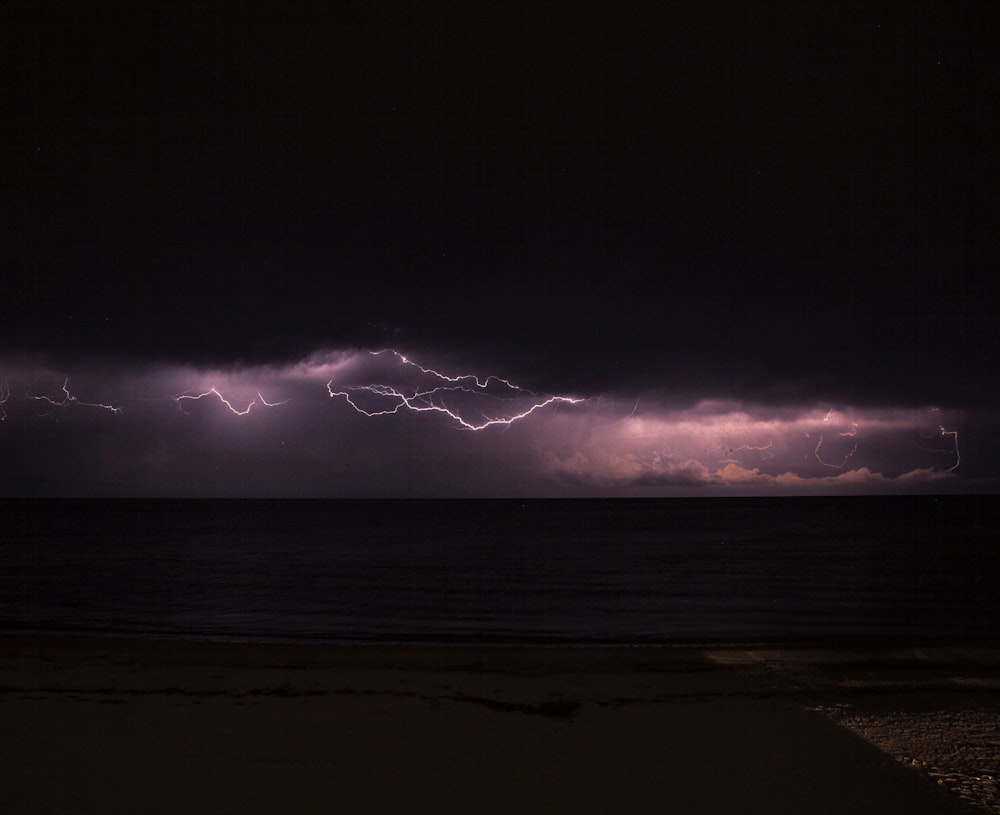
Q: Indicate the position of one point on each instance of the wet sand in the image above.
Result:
(109, 726)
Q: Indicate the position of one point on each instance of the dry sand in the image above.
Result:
(109, 726)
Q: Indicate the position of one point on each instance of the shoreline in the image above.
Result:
(833, 642)
(121, 725)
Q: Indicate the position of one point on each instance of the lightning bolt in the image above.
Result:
(213, 391)
(763, 449)
(444, 377)
(847, 458)
(435, 399)
(69, 399)
(852, 433)
(944, 432)
(958, 454)
(265, 403)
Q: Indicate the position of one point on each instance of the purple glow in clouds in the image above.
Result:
(362, 423)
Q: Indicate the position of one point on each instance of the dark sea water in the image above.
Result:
(609, 571)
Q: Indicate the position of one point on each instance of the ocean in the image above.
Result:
(636, 571)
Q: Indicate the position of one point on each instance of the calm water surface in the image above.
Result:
(611, 571)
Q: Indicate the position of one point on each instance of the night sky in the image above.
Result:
(749, 248)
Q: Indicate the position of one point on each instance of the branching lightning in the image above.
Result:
(265, 403)
(482, 384)
(958, 454)
(213, 391)
(601, 442)
(69, 399)
(843, 462)
(437, 397)
(763, 449)
(852, 433)
(944, 432)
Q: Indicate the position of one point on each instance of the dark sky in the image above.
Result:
(781, 203)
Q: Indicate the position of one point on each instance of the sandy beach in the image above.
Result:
(109, 726)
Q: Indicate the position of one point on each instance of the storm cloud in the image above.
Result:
(380, 423)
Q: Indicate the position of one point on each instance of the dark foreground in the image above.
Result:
(109, 726)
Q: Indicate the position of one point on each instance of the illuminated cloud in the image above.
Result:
(373, 423)
(727, 446)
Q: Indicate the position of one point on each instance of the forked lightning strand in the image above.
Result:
(958, 455)
(763, 449)
(69, 399)
(433, 399)
(214, 392)
(461, 377)
(843, 462)
(954, 437)
(852, 433)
